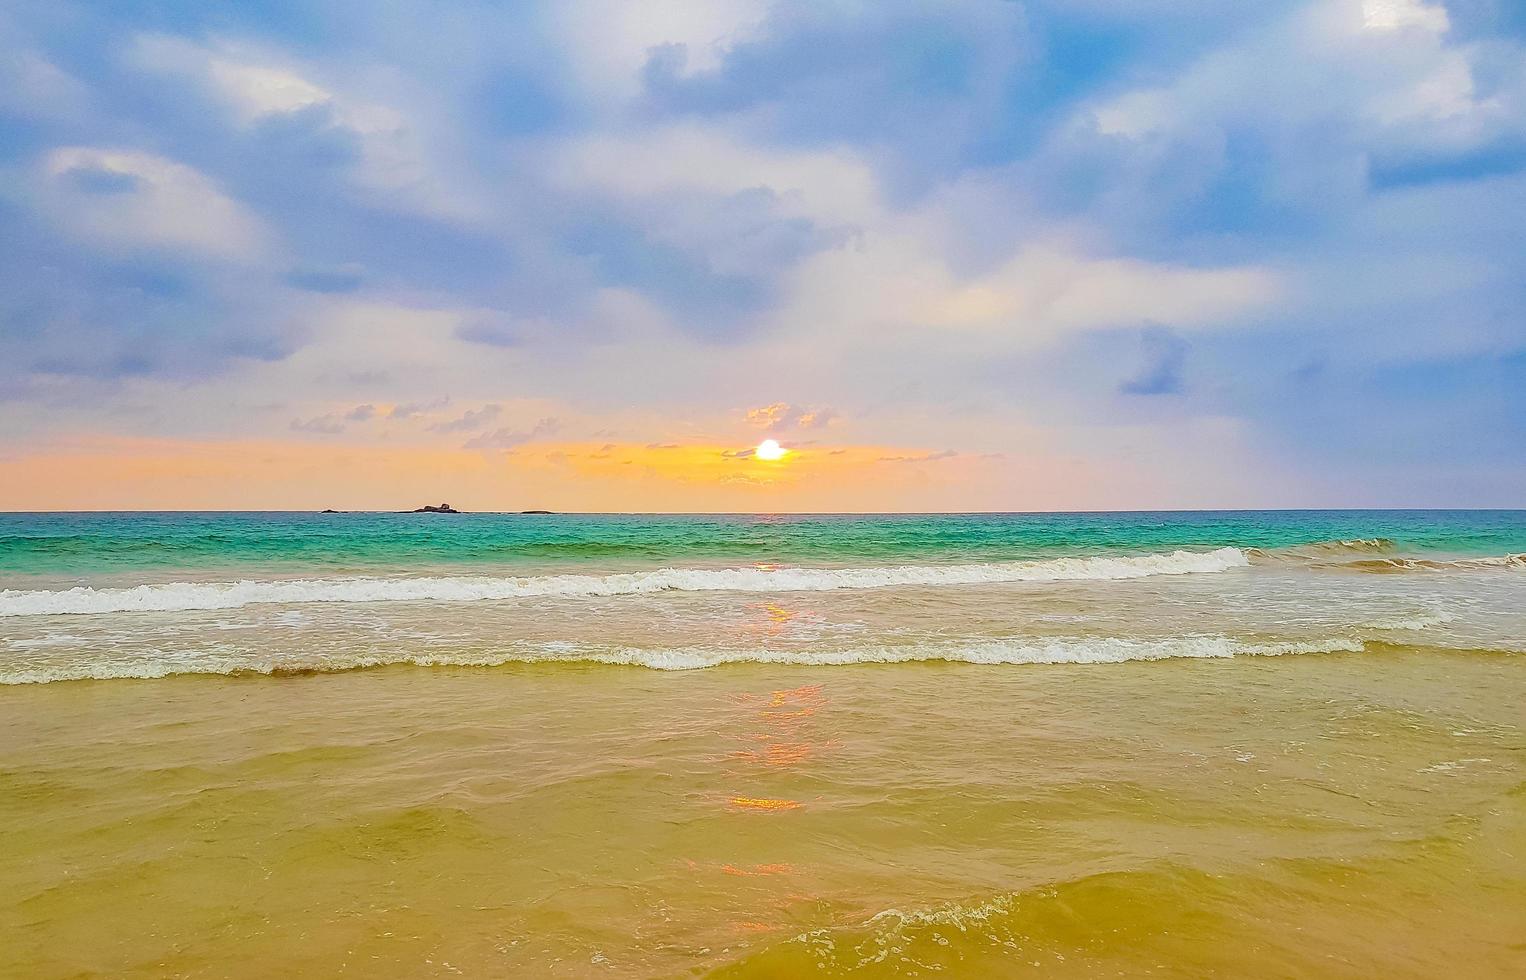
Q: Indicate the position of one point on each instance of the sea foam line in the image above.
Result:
(181, 596)
(1032, 651)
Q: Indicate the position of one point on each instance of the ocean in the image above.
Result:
(1175, 744)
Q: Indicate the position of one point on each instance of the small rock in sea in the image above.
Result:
(442, 509)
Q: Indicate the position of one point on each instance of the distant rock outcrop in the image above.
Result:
(537, 512)
(330, 511)
(431, 509)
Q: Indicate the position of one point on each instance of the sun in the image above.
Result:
(770, 449)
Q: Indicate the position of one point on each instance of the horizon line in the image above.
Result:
(783, 513)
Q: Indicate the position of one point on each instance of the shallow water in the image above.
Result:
(1341, 815)
(1302, 759)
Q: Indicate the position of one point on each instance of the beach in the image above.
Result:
(1240, 744)
(763, 490)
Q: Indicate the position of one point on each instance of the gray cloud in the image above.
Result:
(322, 424)
(509, 438)
(410, 409)
(342, 279)
(1161, 374)
(919, 457)
(470, 419)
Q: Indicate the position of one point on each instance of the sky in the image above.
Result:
(588, 255)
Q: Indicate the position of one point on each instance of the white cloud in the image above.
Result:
(247, 84)
(826, 185)
(255, 85)
(1392, 15)
(1375, 77)
(609, 40)
(33, 87)
(891, 280)
(1046, 289)
(896, 287)
(124, 197)
(256, 91)
(1133, 114)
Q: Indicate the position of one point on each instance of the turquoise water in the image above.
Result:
(100, 596)
(114, 543)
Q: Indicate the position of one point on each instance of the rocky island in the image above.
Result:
(431, 509)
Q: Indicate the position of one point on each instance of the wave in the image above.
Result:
(1353, 544)
(181, 596)
(1090, 650)
(1373, 555)
(1008, 652)
(1313, 551)
(1435, 564)
(1412, 622)
(1054, 924)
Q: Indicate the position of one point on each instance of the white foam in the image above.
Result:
(1412, 622)
(1073, 650)
(179, 596)
(1087, 650)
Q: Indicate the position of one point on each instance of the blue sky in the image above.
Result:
(1098, 254)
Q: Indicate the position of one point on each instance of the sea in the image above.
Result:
(1178, 744)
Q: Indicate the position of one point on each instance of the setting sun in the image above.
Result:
(770, 449)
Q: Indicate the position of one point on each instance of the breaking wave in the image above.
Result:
(1315, 551)
(1435, 564)
(1373, 555)
(1412, 622)
(1076, 650)
(180, 596)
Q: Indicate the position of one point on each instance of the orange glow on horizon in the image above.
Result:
(111, 473)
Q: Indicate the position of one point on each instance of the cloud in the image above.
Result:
(834, 187)
(32, 87)
(767, 416)
(135, 199)
(1046, 289)
(495, 331)
(411, 409)
(322, 424)
(96, 180)
(361, 413)
(258, 88)
(782, 415)
(1165, 353)
(815, 418)
(471, 419)
(250, 89)
(609, 44)
(509, 438)
(898, 292)
(1390, 15)
(342, 279)
(79, 312)
(927, 457)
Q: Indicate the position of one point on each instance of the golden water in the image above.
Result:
(1341, 815)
